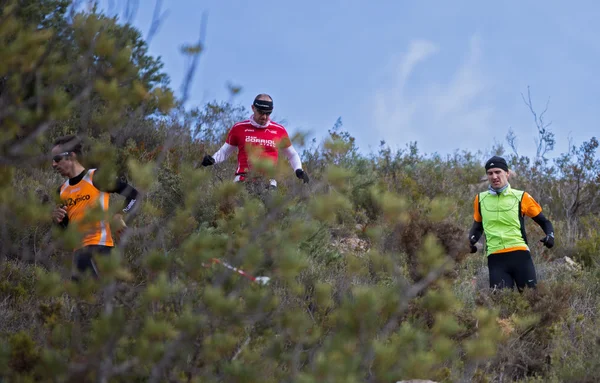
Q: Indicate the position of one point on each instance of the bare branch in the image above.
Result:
(411, 293)
(511, 138)
(545, 140)
(18, 147)
(131, 8)
(239, 350)
(157, 19)
(189, 76)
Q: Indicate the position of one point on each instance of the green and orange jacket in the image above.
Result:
(501, 217)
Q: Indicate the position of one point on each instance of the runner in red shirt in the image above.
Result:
(262, 133)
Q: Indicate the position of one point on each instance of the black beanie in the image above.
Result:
(496, 162)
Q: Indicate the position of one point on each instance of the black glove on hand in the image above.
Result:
(208, 160)
(302, 175)
(548, 240)
(472, 240)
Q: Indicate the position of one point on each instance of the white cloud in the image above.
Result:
(391, 103)
(440, 114)
(418, 51)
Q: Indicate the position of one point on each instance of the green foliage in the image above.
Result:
(24, 353)
(587, 248)
(370, 277)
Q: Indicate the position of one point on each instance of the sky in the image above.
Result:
(448, 75)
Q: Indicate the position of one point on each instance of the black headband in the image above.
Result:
(263, 105)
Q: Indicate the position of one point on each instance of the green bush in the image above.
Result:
(370, 275)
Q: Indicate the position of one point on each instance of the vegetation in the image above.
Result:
(371, 278)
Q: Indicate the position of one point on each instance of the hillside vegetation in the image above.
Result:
(371, 279)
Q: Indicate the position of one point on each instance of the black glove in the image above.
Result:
(472, 240)
(548, 240)
(302, 175)
(208, 160)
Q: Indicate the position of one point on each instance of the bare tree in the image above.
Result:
(511, 138)
(545, 140)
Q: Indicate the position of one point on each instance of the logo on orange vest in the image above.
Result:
(76, 200)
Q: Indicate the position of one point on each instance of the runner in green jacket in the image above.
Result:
(499, 212)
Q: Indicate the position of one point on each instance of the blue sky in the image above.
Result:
(448, 75)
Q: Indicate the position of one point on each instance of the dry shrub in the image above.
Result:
(409, 237)
(528, 321)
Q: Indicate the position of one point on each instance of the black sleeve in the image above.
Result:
(476, 232)
(544, 223)
(123, 188)
(65, 222)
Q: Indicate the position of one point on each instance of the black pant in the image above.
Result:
(515, 267)
(84, 259)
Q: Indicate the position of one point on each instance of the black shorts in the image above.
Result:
(84, 259)
(508, 269)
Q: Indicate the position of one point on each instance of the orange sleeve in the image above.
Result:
(529, 206)
(476, 212)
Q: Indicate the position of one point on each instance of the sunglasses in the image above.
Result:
(268, 113)
(59, 157)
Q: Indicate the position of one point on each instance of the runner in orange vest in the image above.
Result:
(79, 195)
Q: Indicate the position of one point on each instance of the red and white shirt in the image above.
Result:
(268, 139)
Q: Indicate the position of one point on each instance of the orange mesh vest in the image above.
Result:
(81, 199)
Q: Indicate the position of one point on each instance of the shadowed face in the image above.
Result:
(260, 116)
(62, 161)
(497, 177)
(262, 107)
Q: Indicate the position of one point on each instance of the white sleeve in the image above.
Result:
(223, 153)
(293, 157)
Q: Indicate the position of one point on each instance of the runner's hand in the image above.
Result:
(302, 175)
(548, 240)
(118, 226)
(473, 249)
(58, 214)
(208, 160)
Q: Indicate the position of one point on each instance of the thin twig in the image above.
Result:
(157, 19)
(189, 76)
